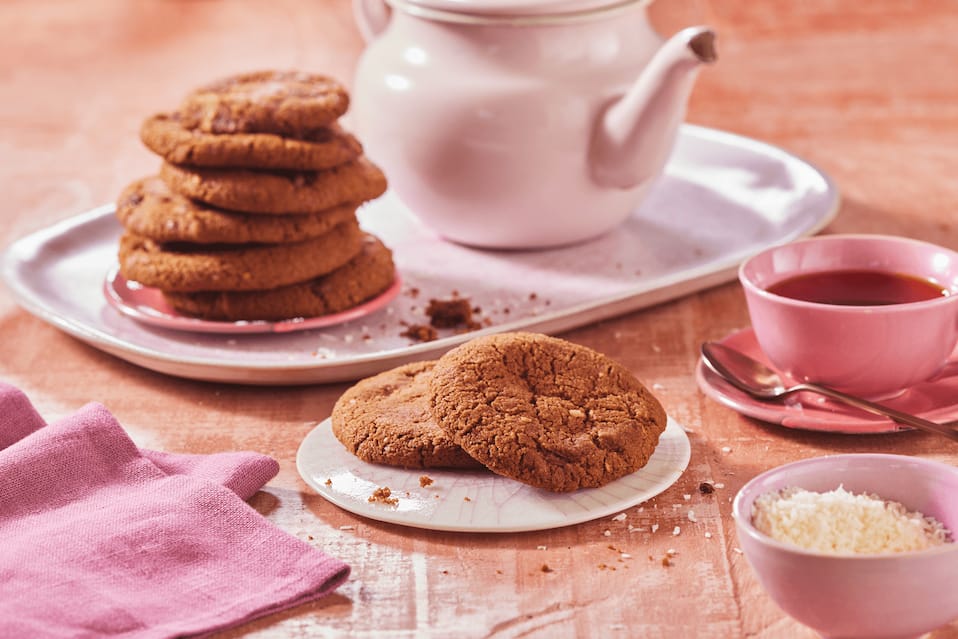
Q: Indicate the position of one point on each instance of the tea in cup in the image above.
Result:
(870, 315)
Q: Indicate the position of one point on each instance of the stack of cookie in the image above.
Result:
(537, 409)
(253, 213)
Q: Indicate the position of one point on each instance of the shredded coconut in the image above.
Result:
(840, 522)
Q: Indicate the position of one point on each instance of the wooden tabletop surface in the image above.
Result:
(868, 91)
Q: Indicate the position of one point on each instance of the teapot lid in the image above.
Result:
(515, 8)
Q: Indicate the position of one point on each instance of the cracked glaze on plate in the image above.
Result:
(477, 501)
(722, 199)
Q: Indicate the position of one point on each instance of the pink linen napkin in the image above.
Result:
(101, 539)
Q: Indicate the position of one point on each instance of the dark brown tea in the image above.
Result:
(858, 288)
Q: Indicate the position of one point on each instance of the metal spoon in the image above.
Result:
(759, 381)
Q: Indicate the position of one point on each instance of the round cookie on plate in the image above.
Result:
(277, 193)
(385, 419)
(545, 411)
(362, 278)
(149, 208)
(242, 267)
(282, 102)
(323, 148)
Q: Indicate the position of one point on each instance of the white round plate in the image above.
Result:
(477, 501)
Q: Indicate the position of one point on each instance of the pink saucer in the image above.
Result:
(936, 399)
(146, 305)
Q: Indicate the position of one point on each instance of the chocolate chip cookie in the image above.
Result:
(322, 148)
(283, 102)
(277, 193)
(246, 267)
(365, 276)
(545, 411)
(385, 419)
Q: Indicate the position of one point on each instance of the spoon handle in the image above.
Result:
(878, 409)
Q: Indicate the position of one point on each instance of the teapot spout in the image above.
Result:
(634, 135)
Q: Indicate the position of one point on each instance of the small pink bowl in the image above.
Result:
(877, 596)
(871, 351)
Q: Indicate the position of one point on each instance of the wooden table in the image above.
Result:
(866, 90)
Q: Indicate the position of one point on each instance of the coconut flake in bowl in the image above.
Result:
(841, 522)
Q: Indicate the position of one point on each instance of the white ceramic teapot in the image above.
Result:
(521, 123)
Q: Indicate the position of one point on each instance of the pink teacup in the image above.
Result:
(867, 350)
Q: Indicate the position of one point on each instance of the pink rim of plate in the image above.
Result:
(145, 304)
(935, 399)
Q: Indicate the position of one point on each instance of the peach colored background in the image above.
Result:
(866, 90)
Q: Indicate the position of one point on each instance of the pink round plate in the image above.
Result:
(936, 399)
(146, 305)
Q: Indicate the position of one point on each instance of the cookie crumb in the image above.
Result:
(546, 568)
(706, 488)
(382, 496)
(451, 313)
(466, 499)
(420, 333)
(425, 480)
(328, 482)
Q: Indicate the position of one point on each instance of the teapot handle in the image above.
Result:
(371, 17)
